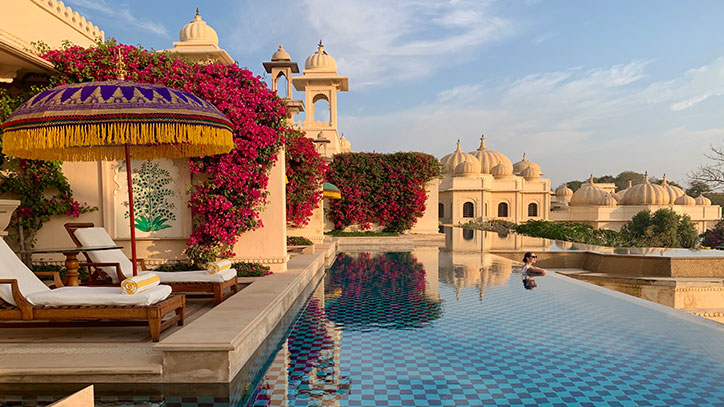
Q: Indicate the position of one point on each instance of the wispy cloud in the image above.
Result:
(377, 41)
(121, 14)
(602, 120)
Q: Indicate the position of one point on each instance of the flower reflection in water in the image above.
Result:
(386, 291)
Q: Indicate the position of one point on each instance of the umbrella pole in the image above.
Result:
(131, 216)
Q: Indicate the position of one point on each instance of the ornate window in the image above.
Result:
(440, 210)
(532, 209)
(468, 210)
(503, 210)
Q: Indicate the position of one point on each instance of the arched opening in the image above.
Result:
(468, 234)
(503, 210)
(440, 210)
(468, 210)
(321, 108)
(282, 85)
(486, 210)
(532, 209)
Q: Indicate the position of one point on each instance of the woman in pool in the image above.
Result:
(530, 270)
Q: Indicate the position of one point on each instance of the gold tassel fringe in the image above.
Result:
(97, 142)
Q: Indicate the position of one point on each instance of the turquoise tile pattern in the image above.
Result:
(564, 343)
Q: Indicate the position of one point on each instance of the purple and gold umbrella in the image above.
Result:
(116, 120)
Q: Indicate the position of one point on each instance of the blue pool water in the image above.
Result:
(381, 330)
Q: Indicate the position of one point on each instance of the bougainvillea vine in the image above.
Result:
(228, 190)
(305, 175)
(386, 189)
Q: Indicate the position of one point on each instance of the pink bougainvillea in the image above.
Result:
(387, 189)
(305, 175)
(228, 192)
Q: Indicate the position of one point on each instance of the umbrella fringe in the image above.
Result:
(147, 141)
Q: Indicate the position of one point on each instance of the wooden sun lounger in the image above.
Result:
(98, 276)
(153, 314)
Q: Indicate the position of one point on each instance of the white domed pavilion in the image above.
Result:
(596, 205)
(483, 185)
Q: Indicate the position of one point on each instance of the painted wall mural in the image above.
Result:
(153, 207)
(158, 196)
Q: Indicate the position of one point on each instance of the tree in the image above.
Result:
(574, 185)
(663, 228)
(711, 173)
(697, 188)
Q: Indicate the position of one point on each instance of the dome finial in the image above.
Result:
(482, 143)
(458, 149)
(590, 179)
(197, 17)
(646, 177)
(197, 11)
(524, 159)
(630, 183)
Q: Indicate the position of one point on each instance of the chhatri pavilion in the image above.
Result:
(598, 205)
(484, 184)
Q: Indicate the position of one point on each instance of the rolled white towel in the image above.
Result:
(139, 283)
(218, 266)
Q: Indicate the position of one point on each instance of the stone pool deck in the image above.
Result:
(213, 345)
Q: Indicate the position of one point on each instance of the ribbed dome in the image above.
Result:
(685, 200)
(451, 161)
(320, 61)
(501, 170)
(619, 195)
(198, 31)
(646, 193)
(466, 169)
(588, 194)
(608, 200)
(673, 191)
(521, 165)
(564, 192)
(702, 200)
(489, 158)
(531, 173)
(281, 55)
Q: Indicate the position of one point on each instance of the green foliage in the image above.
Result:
(571, 231)
(246, 269)
(82, 271)
(697, 188)
(243, 269)
(298, 241)
(494, 225)
(663, 228)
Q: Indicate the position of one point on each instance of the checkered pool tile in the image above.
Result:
(564, 343)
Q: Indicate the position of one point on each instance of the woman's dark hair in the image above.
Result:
(526, 256)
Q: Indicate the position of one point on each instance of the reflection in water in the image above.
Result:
(386, 291)
(360, 294)
(480, 274)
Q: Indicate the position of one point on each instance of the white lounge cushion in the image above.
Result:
(12, 268)
(194, 276)
(98, 296)
(99, 237)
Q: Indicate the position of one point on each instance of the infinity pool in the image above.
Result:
(381, 330)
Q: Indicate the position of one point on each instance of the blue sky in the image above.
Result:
(581, 86)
